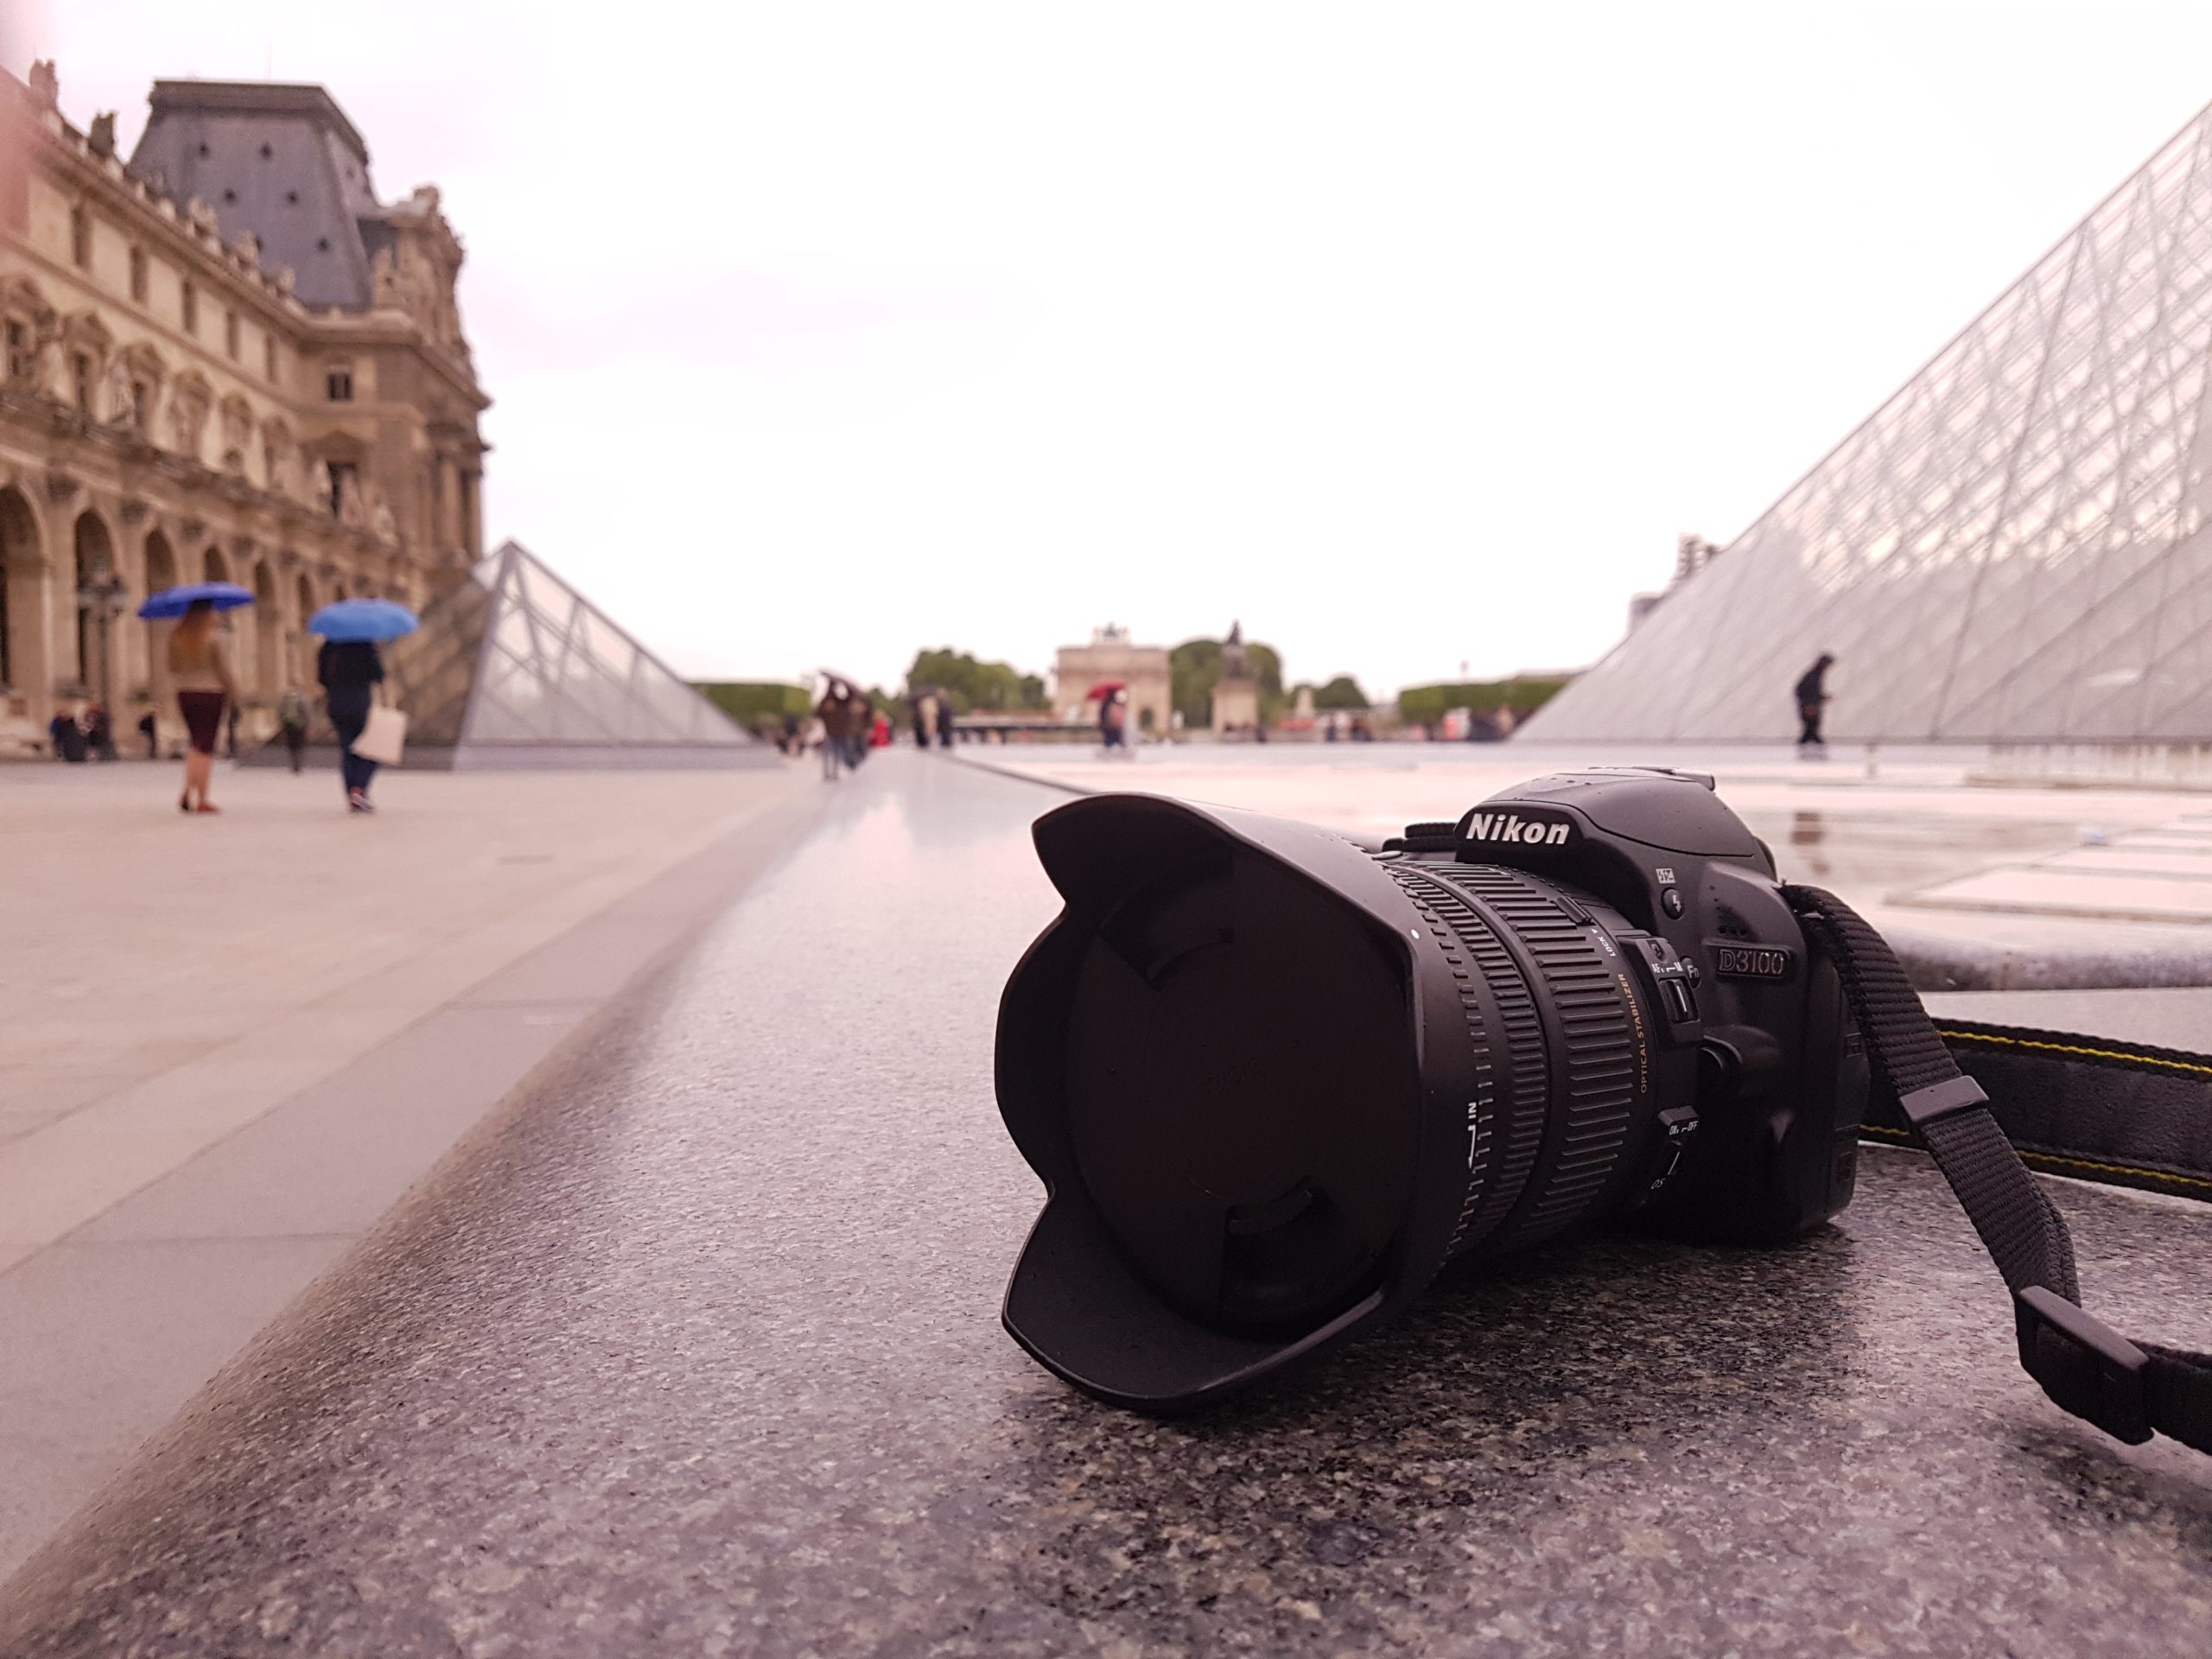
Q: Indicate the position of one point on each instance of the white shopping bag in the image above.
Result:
(384, 737)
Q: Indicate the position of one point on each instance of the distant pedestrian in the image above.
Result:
(945, 722)
(201, 673)
(292, 721)
(863, 727)
(1812, 693)
(349, 672)
(837, 712)
(924, 719)
(1112, 721)
(150, 729)
(99, 732)
(67, 733)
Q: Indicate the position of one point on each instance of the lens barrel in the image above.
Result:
(1566, 1035)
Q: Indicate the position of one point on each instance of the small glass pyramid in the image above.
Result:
(513, 668)
(2013, 548)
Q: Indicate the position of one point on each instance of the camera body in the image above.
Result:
(1750, 1035)
(1272, 1081)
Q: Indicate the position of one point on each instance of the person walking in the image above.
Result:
(349, 672)
(66, 735)
(945, 722)
(1113, 733)
(201, 673)
(836, 711)
(1812, 693)
(863, 727)
(292, 721)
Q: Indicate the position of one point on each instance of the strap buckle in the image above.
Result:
(2083, 1364)
(1940, 1100)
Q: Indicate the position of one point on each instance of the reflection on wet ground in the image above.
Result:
(1874, 854)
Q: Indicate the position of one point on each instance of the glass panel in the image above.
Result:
(2006, 549)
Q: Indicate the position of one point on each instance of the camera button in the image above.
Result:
(1670, 900)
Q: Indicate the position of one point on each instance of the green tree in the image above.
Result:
(1194, 666)
(997, 688)
(1422, 705)
(756, 705)
(1343, 692)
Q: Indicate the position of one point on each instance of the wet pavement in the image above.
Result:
(1989, 883)
(694, 1349)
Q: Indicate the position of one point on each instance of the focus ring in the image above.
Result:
(1501, 1157)
(1595, 1077)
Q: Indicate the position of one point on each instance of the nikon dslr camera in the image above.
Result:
(1274, 1082)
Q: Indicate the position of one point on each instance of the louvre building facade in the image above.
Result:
(225, 358)
(2014, 547)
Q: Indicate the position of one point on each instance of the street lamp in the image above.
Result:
(101, 598)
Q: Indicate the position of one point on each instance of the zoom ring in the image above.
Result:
(1594, 1077)
(1499, 1160)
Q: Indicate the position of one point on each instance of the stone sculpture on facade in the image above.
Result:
(117, 405)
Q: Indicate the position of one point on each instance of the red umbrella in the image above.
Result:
(1105, 688)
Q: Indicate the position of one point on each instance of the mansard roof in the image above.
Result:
(280, 160)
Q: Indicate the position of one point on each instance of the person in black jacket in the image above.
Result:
(349, 671)
(1812, 692)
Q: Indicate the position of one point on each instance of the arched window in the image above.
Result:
(19, 557)
(95, 559)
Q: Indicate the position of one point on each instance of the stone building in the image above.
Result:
(1111, 656)
(224, 360)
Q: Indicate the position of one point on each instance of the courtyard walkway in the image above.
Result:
(228, 1044)
(694, 1348)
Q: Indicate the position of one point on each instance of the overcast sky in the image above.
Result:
(1412, 335)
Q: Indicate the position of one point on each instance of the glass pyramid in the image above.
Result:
(514, 668)
(2014, 547)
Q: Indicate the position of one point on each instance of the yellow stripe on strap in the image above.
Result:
(2162, 1176)
(2073, 1048)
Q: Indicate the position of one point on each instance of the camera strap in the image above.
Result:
(2129, 1389)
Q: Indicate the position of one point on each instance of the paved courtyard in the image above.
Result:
(694, 1348)
(1926, 842)
(228, 1044)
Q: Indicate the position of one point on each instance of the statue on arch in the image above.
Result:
(1233, 665)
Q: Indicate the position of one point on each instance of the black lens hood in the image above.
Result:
(1074, 1302)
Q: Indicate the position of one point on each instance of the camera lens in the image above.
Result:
(1275, 1081)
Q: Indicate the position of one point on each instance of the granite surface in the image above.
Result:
(695, 1349)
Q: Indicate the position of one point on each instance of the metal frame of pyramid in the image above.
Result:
(513, 668)
(2015, 547)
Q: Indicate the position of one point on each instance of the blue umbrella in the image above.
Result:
(349, 620)
(175, 601)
